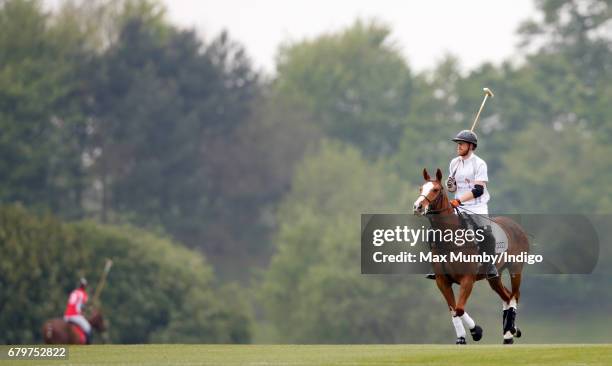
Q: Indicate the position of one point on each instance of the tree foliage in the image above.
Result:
(156, 291)
(313, 289)
(42, 136)
(110, 112)
(355, 83)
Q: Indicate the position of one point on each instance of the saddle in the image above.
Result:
(493, 229)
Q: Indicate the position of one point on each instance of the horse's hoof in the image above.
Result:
(460, 340)
(476, 333)
(509, 341)
(518, 333)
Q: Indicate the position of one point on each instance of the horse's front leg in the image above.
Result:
(446, 288)
(466, 285)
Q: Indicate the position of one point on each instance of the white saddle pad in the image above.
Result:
(501, 239)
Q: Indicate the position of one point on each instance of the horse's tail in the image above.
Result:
(52, 331)
(48, 330)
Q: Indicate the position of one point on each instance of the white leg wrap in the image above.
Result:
(468, 321)
(513, 303)
(459, 329)
(504, 306)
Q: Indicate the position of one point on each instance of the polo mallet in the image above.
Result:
(102, 281)
(488, 93)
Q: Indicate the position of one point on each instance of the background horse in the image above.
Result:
(58, 331)
(434, 203)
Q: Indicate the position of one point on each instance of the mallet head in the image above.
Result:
(488, 93)
(108, 265)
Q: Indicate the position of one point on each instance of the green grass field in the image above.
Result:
(472, 355)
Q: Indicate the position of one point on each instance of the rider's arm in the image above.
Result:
(475, 192)
(79, 305)
(451, 184)
(480, 183)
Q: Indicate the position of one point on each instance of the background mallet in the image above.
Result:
(488, 93)
(102, 281)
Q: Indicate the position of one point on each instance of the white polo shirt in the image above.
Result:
(467, 171)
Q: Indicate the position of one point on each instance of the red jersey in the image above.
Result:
(76, 301)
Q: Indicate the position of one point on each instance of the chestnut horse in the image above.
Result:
(58, 331)
(433, 203)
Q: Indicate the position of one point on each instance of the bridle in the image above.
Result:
(427, 199)
(434, 202)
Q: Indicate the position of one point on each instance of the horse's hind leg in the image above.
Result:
(506, 295)
(511, 309)
(515, 280)
(498, 286)
(510, 330)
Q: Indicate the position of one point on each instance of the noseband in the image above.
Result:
(425, 197)
(432, 203)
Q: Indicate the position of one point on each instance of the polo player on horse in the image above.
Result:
(468, 180)
(74, 309)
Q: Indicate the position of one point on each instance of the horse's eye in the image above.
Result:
(436, 190)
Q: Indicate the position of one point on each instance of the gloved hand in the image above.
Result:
(451, 184)
(455, 203)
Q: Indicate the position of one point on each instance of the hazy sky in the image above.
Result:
(474, 30)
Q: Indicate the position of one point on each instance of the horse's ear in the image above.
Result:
(439, 175)
(425, 174)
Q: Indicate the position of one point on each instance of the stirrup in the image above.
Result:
(489, 270)
(492, 271)
(431, 276)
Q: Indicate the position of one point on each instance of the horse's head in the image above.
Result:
(431, 194)
(97, 321)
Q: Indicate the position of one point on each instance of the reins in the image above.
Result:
(477, 214)
(456, 209)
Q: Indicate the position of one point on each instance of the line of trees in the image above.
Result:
(159, 291)
(110, 112)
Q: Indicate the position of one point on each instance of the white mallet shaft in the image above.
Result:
(488, 93)
(102, 281)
